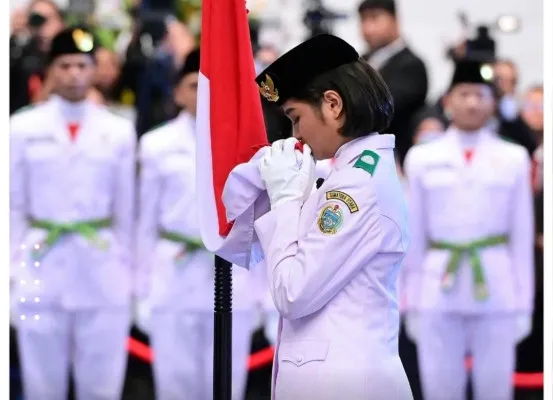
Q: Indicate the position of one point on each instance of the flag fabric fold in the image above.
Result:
(229, 122)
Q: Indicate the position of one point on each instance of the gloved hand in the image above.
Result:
(412, 325)
(288, 173)
(524, 327)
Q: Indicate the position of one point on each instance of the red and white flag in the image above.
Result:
(229, 123)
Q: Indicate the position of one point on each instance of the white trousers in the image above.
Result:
(444, 340)
(91, 342)
(182, 342)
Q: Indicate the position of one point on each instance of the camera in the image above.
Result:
(482, 46)
(318, 19)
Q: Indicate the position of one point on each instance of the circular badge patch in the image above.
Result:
(331, 219)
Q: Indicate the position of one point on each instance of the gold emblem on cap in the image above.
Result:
(267, 89)
(83, 40)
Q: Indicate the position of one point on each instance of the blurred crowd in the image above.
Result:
(137, 77)
(138, 61)
(136, 64)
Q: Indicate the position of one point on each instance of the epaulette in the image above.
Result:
(367, 161)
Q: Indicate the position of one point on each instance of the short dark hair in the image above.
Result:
(367, 102)
(385, 5)
(277, 124)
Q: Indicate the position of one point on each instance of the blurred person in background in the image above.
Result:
(530, 351)
(265, 56)
(19, 32)
(108, 69)
(506, 81)
(28, 61)
(532, 111)
(180, 42)
(48, 89)
(508, 121)
(133, 60)
(469, 269)
(176, 270)
(154, 104)
(532, 115)
(404, 72)
(72, 177)
(428, 126)
(96, 97)
(164, 43)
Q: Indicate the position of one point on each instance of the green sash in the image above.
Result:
(472, 250)
(190, 245)
(87, 229)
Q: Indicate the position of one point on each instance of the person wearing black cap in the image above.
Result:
(402, 70)
(72, 175)
(333, 255)
(28, 57)
(177, 270)
(469, 269)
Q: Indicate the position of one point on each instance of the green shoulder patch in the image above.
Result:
(368, 160)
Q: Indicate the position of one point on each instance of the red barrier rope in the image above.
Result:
(262, 358)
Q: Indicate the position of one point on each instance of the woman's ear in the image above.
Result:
(333, 103)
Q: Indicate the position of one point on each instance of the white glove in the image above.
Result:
(524, 327)
(412, 325)
(288, 174)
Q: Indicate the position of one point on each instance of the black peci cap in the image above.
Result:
(191, 64)
(72, 41)
(295, 69)
(471, 71)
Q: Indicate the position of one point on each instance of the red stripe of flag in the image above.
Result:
(236, 118)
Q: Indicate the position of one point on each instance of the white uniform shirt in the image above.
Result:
(54, 179)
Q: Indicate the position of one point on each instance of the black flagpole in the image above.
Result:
(222, 349)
